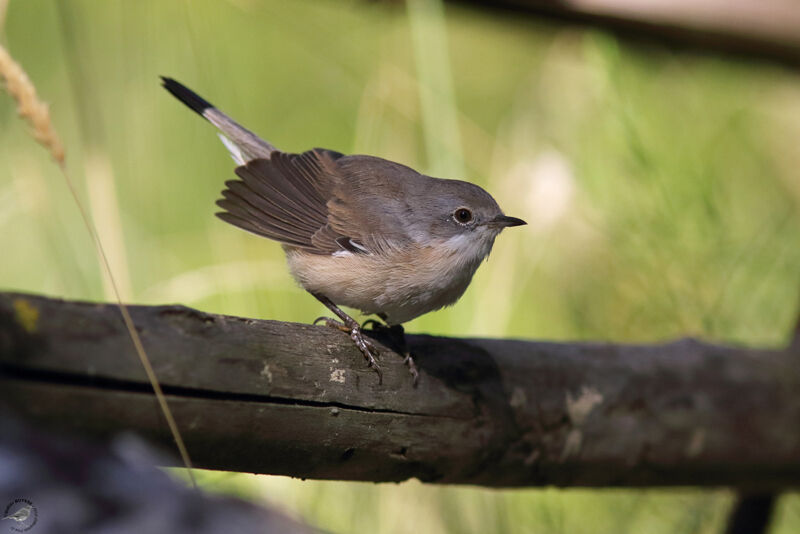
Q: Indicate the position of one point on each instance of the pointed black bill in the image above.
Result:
(505, 221)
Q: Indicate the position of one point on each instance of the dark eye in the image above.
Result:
(462, 215)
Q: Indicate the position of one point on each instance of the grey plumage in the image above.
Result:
(361, 231)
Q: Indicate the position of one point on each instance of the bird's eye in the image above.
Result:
(462, 215)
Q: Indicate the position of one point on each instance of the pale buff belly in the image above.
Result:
(413, 283)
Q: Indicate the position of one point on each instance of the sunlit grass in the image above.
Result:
(661, 188)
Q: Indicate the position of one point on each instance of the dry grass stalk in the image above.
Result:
(29, 106)
(3, 11)
(33, 110)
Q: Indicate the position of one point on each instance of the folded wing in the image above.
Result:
(298, 200)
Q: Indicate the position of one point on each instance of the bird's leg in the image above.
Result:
(398, 336)
(351, 326)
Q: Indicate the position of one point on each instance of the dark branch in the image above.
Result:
(751, 514)
(759, 28)
(293, 399)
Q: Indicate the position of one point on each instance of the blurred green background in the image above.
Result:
(661, 189)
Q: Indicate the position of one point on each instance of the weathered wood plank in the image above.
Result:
(762, 28)
(270, 397)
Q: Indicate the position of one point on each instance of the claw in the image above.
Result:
(367, 349)
(332, 323)
(397, 333)
(412, 367)
(349, 325)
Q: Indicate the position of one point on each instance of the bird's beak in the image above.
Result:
(504, 221)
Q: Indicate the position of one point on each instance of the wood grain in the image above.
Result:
(293, 399)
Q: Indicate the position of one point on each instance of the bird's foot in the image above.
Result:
(366, 346)
(397, 334)
(332, 323)
(412, 367)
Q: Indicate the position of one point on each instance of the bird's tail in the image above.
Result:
(243, 144)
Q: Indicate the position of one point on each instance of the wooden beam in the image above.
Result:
(293, 399)
(764, 28)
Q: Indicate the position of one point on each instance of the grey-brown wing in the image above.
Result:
(301, 200)
(374, 206)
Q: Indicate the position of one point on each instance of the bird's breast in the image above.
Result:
(401, 283)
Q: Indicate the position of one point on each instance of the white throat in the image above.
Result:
(471, 247)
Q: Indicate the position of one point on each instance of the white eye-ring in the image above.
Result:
(462, 216)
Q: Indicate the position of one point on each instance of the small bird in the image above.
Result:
(21, 515)
(358, 231)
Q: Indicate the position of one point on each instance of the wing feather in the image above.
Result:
(320, 201)
(243, 209)
(285, 198)
(248, 225)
